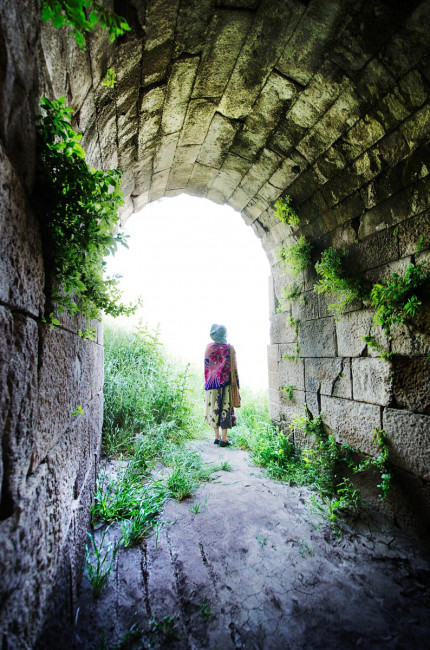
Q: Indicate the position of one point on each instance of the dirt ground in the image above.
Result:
(256, 569)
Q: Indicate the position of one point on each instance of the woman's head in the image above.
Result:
(218, 333)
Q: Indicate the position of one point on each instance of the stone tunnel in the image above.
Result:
(241, 102)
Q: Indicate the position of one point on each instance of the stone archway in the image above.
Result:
(240, 101)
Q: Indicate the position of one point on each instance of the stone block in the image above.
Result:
(179, 176)
(217, 142)
(371, 381)
(273, 357)
(317, 338)
(416, 130)
(388, 213)
(350, 328)
(231, 173)
(178, 93)
(330, 163)
(413, 338)
(352, 422)
(158, 184)
(226, 34)
(365, 133)
(374, 81)
(343, 114)
(22, 276)
(330, 377)
(191, 27)
(410, 232)
(155, 63)
(259, 172)
(274, 99)
(201, 178)
(18, 383)
(280, 332)
(165, 152)
(261, 50)
(380, 248)
(319, 94)
(291, 373)
(411, 383)
(65, 382)
(312, 404)
(197, 121)
(293, 407)
(408, 437)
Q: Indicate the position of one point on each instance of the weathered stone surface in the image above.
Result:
(165, 152)
(261, 50)
(280, 332)
(199, 116)
(201, 178)
(291, 373)
(411, 384)
(18, 381)
(371, 381)
(408, 436)
(21, 266)
(231, 173)
(178, 93)
(218, 140)
(227, 32)
(328, 377)
(317, 338)
(350, 328)
(65, 382)
(274, 99)
(352, 422)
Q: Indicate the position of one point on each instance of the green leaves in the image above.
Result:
(334, 281)
(79, 216)
(297, 256)
(82, 16)
(396, 299)
(285, 212)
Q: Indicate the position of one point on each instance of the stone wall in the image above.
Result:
(48, 457)
(240, 101)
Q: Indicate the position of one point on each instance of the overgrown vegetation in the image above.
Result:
(397, 299)
(79, 215)
(82, 17)
(297, 257)
(334, 282)
(321, 464)
(285, 212)
(149, 414)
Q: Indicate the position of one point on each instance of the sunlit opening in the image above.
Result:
(195, 263)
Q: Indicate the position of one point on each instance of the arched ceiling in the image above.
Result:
(241, 101)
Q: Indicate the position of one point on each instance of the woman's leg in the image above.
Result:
(224, 435)
(216, 429)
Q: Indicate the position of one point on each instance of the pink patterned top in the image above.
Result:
(217, 365)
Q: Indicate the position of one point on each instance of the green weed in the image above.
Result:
(297, 257)
(285, 212)
(99, 561)
(333, 281)
(167, 626)
(205, 611)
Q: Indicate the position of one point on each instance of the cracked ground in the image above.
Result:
(256, 569)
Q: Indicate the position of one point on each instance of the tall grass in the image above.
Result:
(152, 406)
(144, 392)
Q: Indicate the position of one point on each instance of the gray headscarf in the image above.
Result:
(218, 333)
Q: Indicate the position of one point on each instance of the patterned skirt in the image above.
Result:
(219, 411)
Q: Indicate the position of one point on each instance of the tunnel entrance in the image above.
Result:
(243, 102)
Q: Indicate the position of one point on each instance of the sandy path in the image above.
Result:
(255, 569)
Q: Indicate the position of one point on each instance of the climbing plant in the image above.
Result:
(82, 16)
(79, 215)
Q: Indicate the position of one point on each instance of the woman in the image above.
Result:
(221, 384)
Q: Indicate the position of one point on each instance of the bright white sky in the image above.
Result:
(195, 263)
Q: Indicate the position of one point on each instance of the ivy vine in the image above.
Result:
(78, 209)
